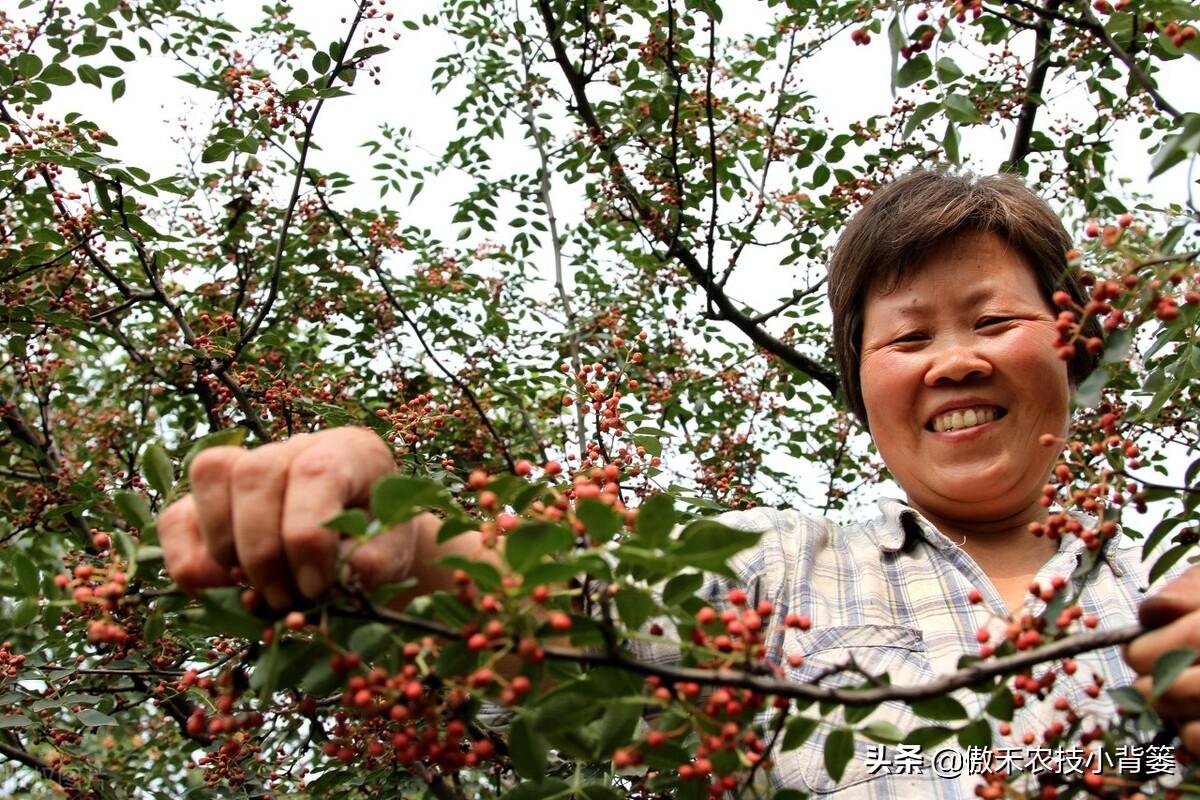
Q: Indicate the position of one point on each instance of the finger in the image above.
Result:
(1179, 702)
(1143, 651)
(383, 559)
(1189, 735)
(209, 477)
(187, 558)
(257, 485)
(335, 472)
(1179, 597)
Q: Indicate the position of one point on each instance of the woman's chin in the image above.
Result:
(979, 496)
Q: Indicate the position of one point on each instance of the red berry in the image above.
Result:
(975, 596)
(560, 621)
(295, 621)
(553, 468)
(523, 468)
(737, 596)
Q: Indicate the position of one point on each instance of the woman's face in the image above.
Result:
(960, 378)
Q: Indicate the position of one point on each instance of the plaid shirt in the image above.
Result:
(893, 594)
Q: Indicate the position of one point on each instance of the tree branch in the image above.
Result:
(555, 239)
(372, 262)
(45, 455)
(281, 244)
(781, 687)
(1033, 87)
(645, 214)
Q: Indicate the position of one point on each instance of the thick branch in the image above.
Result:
(973, 675)
(647, 216)
(1033, 87)
(22, 756)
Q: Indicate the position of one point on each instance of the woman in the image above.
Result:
(944, 332)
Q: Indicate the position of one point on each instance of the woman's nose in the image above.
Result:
(956, 362)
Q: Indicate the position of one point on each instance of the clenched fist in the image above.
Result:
(262, 510)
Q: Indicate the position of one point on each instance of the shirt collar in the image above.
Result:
(899, 525)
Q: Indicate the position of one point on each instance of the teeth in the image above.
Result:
(964, 418)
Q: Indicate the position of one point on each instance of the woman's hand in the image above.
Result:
(261, 510)
(1173, 615)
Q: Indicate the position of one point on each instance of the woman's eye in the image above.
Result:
(914, 336)
(993, 321)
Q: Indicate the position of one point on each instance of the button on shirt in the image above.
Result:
(892, 594)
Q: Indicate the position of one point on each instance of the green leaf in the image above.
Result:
(486, 576)
(1001, 706)
(91, 717)
(939, 709)
(57, 75)
(960, 109)
(681, 587)
(527, 749)
(398, 498)
(950, 143)
(917, 68)
(123, 53)
(156, 625)
(157, 469)
(28, 580)
(655, 519)
(947, 70)
(224, 612)
(797, 732)
(634, 605)
(217, 151)
(454, 525)
(883, 732)
(133, 508)
(617, 727)
(527, 544)
(601, 521)
(89, 74)
(118, 89)
(28, 65)
(15, 721)
(928, 736)
(25, 613)
(352, 522)
(371, 639)
(976, 734)
(321, 62)
(708, 544)
(839, 749)
(919, 115)
(1169, 666)
(1176, 148)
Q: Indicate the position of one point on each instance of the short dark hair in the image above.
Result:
(905, 220)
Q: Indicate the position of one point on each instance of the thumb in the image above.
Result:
(1179, 597)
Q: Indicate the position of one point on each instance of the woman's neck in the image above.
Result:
(1003, 548)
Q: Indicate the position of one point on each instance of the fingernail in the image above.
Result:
(310, 580)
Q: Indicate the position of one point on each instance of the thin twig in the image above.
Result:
(305, 145)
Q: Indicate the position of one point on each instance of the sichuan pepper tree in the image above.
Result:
(568, 363)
